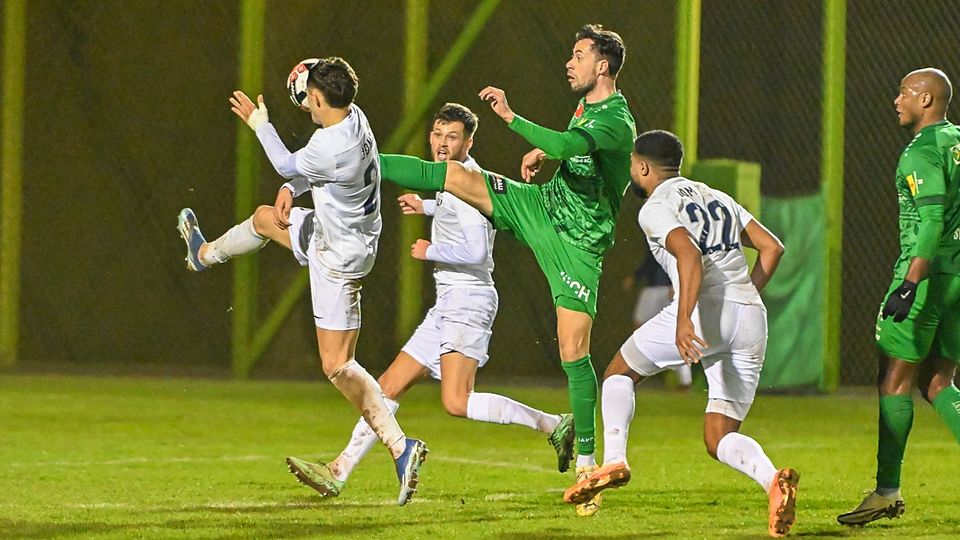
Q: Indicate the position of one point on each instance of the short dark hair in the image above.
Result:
(455, 112)
(661, 146)
(608, 44)
(336, 80)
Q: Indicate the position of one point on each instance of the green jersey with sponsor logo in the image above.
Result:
(583, 197)
(929, 173)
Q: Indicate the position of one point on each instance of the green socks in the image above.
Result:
(947, 405)
(413, 173)
(896, 419)
(582, 387)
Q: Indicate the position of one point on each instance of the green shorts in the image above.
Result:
(932, 328)
(573, 274)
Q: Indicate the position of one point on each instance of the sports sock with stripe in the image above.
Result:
(947, 405)
(896, 419)
(241, 239)
(582, 389)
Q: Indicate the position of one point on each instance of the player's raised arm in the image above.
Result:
(556, 144)
(770, 249)
(690, 273)
(257, 118)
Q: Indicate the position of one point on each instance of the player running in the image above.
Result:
(569, 221)
(717, 319)
(337, 242)
(918, 327)
(451, 342)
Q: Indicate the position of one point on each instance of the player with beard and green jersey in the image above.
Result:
(918, 328)
(568, 222)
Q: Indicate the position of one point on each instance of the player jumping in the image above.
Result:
(567, 222)
(337, 242)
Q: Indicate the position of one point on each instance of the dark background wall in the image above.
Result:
(127, 121)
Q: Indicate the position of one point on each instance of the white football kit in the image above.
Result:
(338, 240)
(729, 315)
(462, 318)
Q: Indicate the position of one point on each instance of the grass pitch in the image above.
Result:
(88, 457)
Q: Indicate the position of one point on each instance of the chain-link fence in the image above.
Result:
(127, 121)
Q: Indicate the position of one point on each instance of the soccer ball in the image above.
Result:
(297, 82)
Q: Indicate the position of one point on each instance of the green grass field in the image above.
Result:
(163, 458)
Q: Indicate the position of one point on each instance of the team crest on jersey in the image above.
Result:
(579, 112)
(498, 184)
(955, 152)
(914, 181)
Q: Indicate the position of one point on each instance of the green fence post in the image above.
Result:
(248, 177)
(834, 81)
(686, 97)
(11, 171)
(410, 270)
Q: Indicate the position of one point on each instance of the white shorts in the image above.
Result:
(651, 301)
(461, 321)
(737, 339)
(336, 301)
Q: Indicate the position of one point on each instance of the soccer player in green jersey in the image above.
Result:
(918, 328)
(569, 221)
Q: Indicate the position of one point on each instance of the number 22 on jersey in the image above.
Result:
(717, 231)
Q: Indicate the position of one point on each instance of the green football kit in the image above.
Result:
(928, 185)
(568, 223)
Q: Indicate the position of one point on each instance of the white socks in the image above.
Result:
(361, 441)
(745, 455)
(362, 390)
(239, 240)
(617, 407)
(498, 409)
(684, 375)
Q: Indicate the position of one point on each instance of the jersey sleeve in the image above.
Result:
(923, 166)
(316, 161)
(657, 220)
(743, 215)
(556, 144)
(604, 131)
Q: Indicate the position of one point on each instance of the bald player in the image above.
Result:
(918, 328)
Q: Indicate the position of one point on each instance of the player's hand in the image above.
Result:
(281, 208)
(254, 115)
(531, 164)
(900, 301)
(410, 203)
(498, 102)
(689, 344)
(419, 249)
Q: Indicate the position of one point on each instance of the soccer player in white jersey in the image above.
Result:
(451, 342)
(717, 319)
(337, 242)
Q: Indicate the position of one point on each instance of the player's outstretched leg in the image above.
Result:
(241, 239)
(315, 475)
(189, 229)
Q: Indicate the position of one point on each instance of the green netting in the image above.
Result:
(794, 298)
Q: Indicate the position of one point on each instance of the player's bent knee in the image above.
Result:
(455, 403)
(263, 219)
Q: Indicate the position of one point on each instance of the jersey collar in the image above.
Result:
(665, 182)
